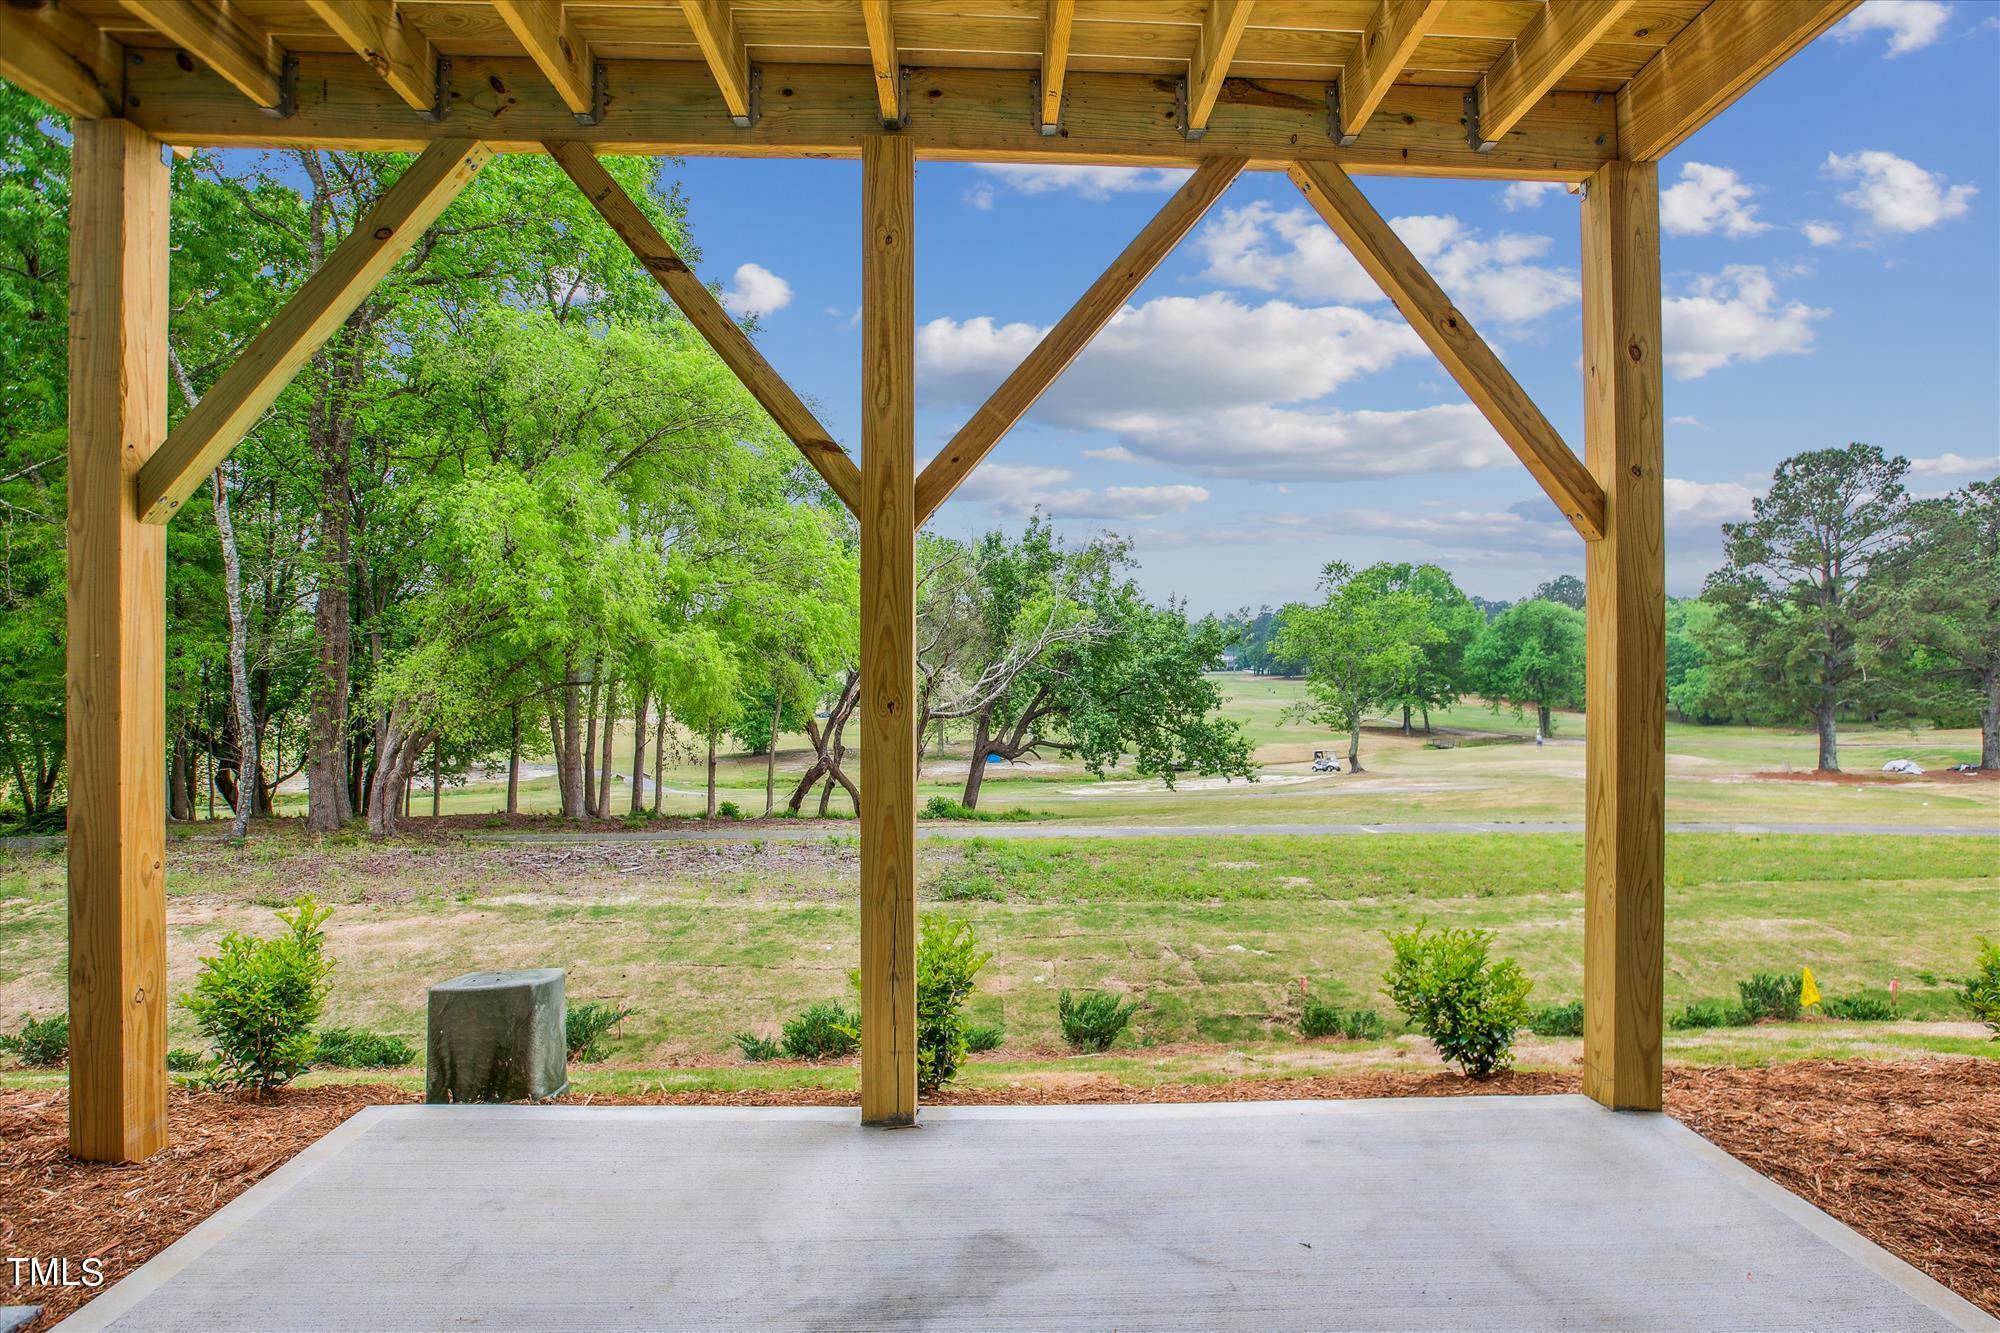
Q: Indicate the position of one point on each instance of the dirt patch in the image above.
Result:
(1936, 776)
(1907, 1153)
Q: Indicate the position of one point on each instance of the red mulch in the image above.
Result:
(1907, 1153)
(1878, 779)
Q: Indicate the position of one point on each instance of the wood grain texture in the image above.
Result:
(218, 423)
(1458, 347)
(722, 47)
(888, 636)
(545, 31)
(1057, 27)
(1063, 343)
(61, 59)
(1387, 44)
(117, 626)
(883, 60)
(222, 39)
(1548, 48)
(1625, 572)
(710, 320)
(1221, 31)
(662, 107)
(400, 55)
(1722, 55)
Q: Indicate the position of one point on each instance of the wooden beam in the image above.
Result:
(216, 424)
(1387, 44)
(722, 47)
(1056, 30)
(394, 48)
(1063, 343)
(888, 636)
(1723, 53)
(1625, 776)
(1222, 25)
(1450, 335)
(544, 30)
(222, 39)
(663, 108)
(61, 59)
(710, 320)
(1558, 36)
(887, 66)
(117, 642)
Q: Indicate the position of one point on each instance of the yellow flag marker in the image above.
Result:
(1808, 992)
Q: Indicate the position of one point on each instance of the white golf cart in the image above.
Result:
(1324, 761)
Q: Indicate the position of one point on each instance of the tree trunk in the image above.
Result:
(639, 753)
(514, 764)
(590, 810)
(825, 798)
(180, 796)
(239, 664)
(437, 778)
(569, 748)
(771, 757)
(1989, 724)
(1354, 744)
(975, 776)
(711, 775)
(659, 758)
(1829, 739)
(610, 730)
(1542, 721)
(1427, 719)
(328, 804)
(1406, 719)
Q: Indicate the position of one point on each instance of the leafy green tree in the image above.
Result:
(1531, 655)
(1947, 607)
(1800, 588)
(1436, 677)
(1564, 590)
(1362, 644)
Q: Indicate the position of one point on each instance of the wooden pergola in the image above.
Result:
(1587, 92)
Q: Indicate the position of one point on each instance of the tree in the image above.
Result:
(1436, 678)
(1798, 589)
(1533, 654)
(1362, 645)
(1947, 606)
(1563, 590)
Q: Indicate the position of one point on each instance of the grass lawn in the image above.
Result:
(1214, 936)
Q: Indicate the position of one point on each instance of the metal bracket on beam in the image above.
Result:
(1181, 109)
(1480, 144)
(1334, 130)
(1035, 108)
(441, 102)
(288, 90)
(756, 100)
(600, 96)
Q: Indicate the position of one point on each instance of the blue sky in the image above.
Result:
(1831, 273)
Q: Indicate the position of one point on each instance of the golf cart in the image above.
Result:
(1325, 762)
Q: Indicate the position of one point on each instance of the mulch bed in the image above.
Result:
(1907, 1153)
(1867, 778)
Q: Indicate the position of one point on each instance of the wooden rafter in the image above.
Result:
(882, 57)
(722, 47)
(1555, 39)
(1063, 343)
(1222, 25)
(1056, 28)
(222, 39)
(216, 424)
(1387, 44)
(1722, 55)
(394, 48)
(544, 30)
(710, 319)
(61, 59)
(1464, 354)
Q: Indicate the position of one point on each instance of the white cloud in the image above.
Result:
(1733, 316)
(1526, 194)
(1267, 249)
(1911, 24)
(1821, 233)
(1709, 199)
(1094, 183)
(1704, 504)
(1953, 465)
(1117, 453)
(1693, 423)
(1896, 194)
(1014, 488)
(756, 291)
(981, 197)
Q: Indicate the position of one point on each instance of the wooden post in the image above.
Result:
(117, 621)
(888, 636)
(1625, 746)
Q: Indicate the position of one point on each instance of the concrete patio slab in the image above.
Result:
(1475, 1212)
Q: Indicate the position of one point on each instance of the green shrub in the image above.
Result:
(257, 1000)
(1363, 1025)
(1706, 1014)
(943, 807)
(1982, 988)
(729, 810)
(1771, 995)
(1466, 1005)
(824, 1031)
(756, 1048)
(981, 1037)
(948, 963)
(1558, 1020)
(42, 1043)
(584, 1028)
(1093, 1020)
(964, 882)
(181, 1060)
(1858, 1008)
(358, 1048)
(1319, 1018)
